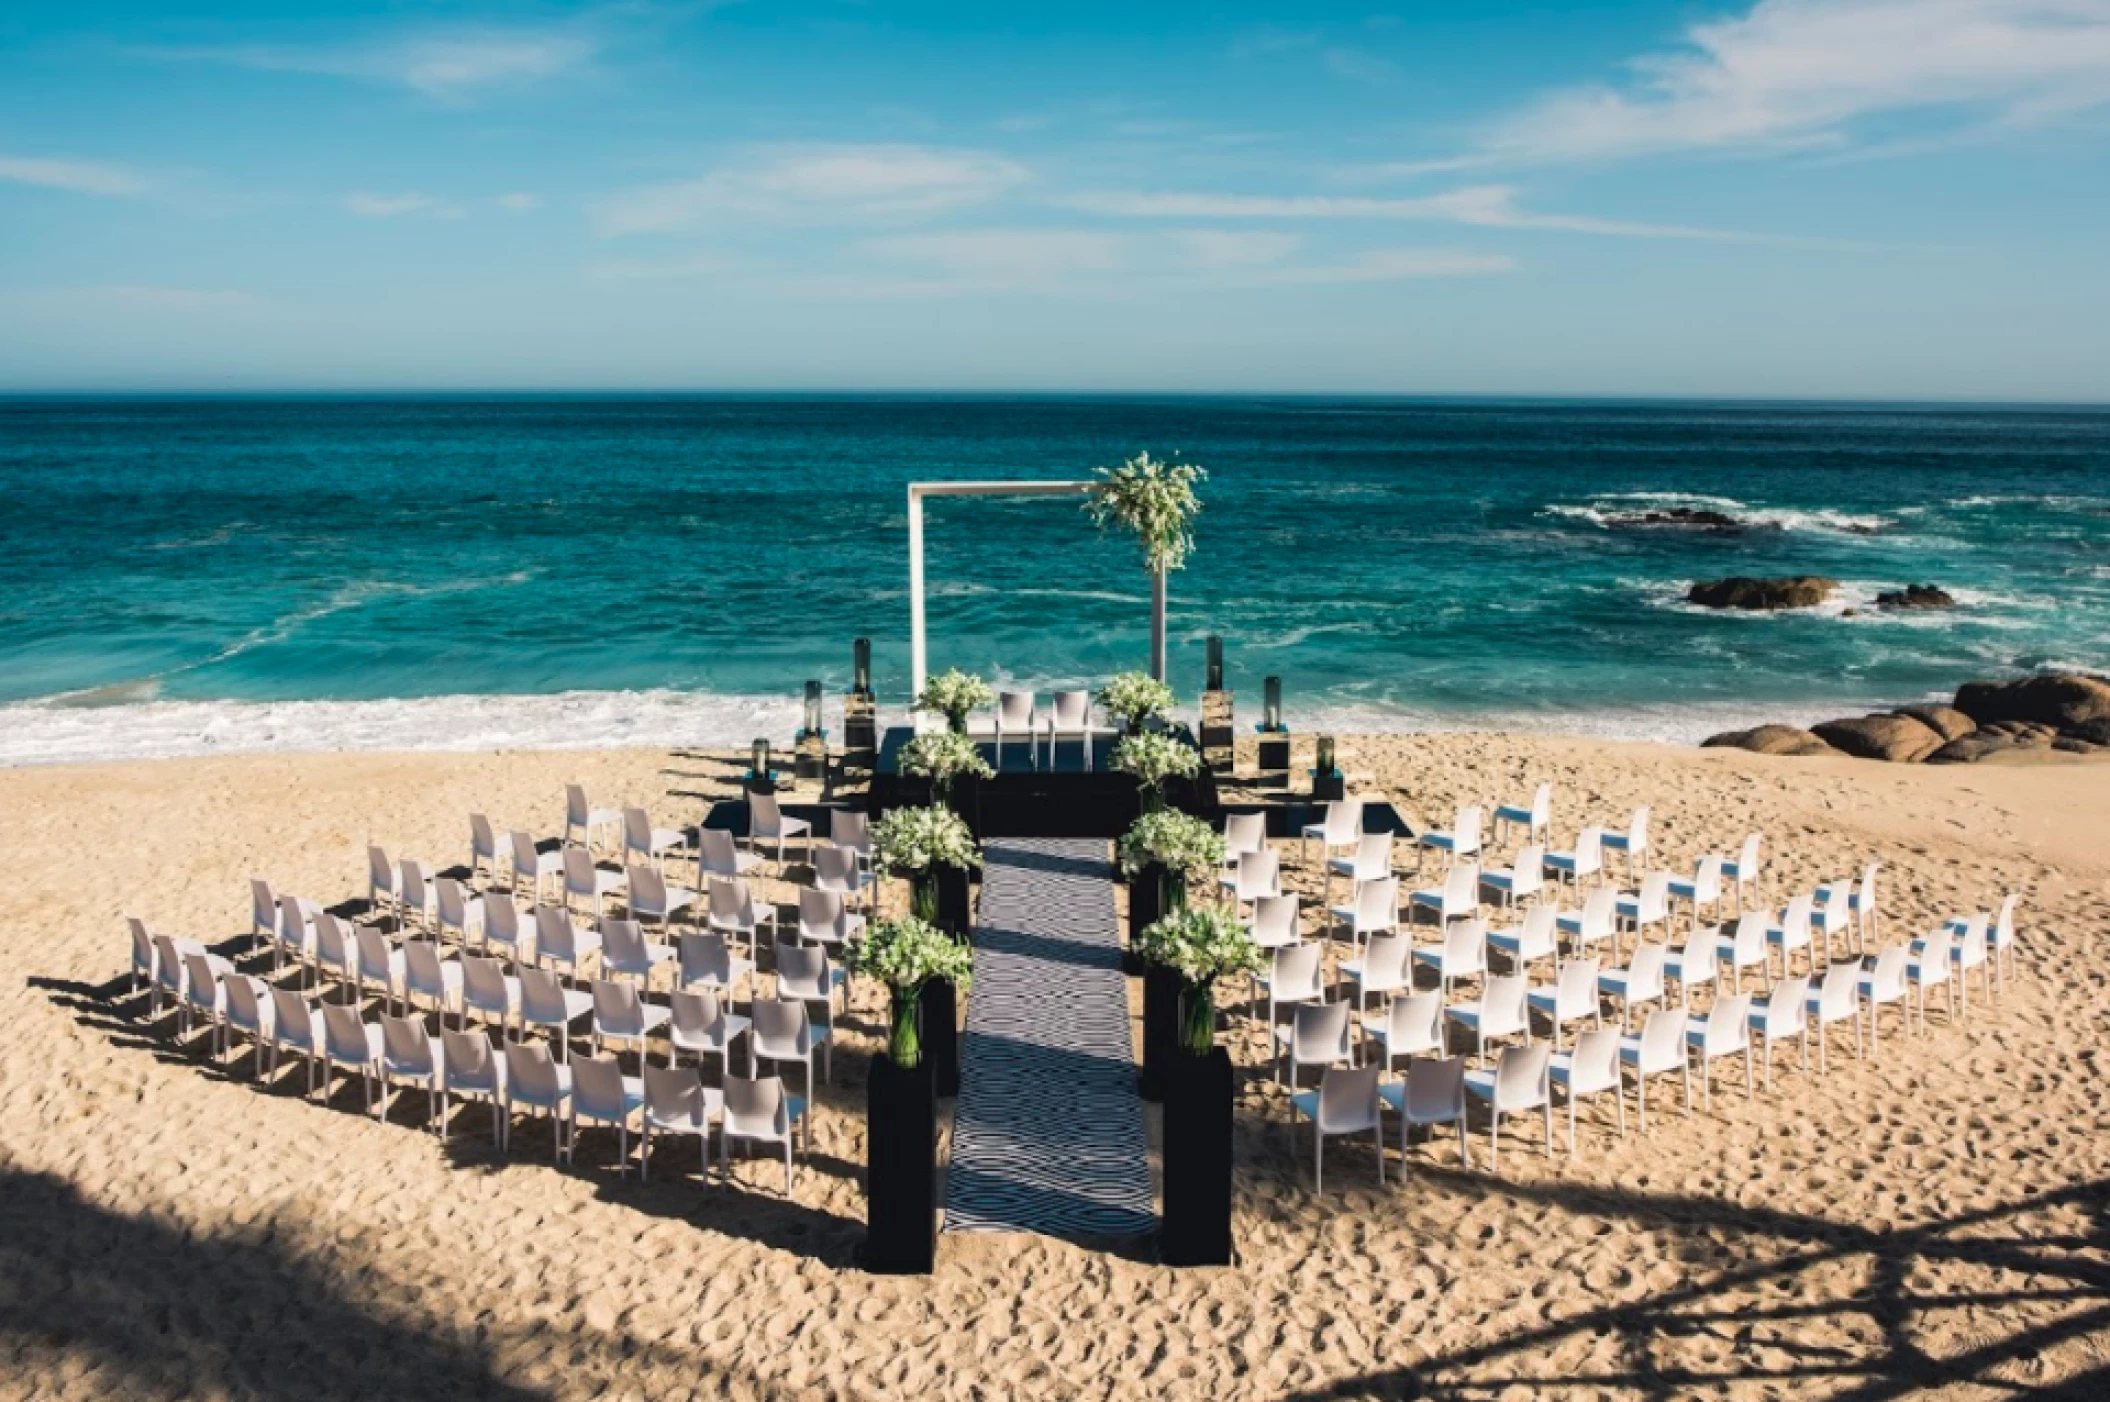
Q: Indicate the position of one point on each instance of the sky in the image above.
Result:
(1895, 199)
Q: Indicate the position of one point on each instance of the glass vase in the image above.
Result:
(904, 1043)
(1198, 1019)
(923, 896)
(1172, 891)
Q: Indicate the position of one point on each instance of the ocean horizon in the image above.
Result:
(218, 574)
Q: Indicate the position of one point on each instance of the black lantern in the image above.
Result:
(1325, 765)
(861, 666)
(1216, 663)
(761, 760)
(1271, 705)
(813, 709)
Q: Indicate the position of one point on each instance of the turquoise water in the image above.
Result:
(186, 575)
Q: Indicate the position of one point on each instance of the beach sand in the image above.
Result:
(1934, 1224)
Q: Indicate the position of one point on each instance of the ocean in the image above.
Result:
(205, 575)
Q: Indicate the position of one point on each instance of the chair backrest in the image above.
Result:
(263, 906)
(581, 876)
(1868, 886)
(674, 1094)
(1701, 957)
(1595, 1065)
(835, 868)
(1435, 1090)
(1465, 830)
(373, 954)
(648, 890)
(576, 808)
(802, 971)
(143, 942)
(531, 1074)
(765, 818)
(1653, 901)
(732, 901)
(1747, 857)
(1542, 806)
(380, 872)
(1663, 1041)
(525, 857)
(484, 984)
(542, 997)
(1343, 821)
(343, 1034)
(1259, 874)
(1465, 948)
(1415, 1022)
(454, 903)
(1275, 921)
(1073, 710)
(1589, 851)
(2004, 923)
(1838, 996)
(1575, 991)
(421, 968)
(1600, 913)
(716, 854)
(1320, 1030)
(1972, 944)
(406, 1047)
(755, 1109)
(698, 1016)
(1014, 710)
(705, 959)
(1373, 855)
(849, 827)
(1728, 1025)
(597, 1088)
(1748, 945)
(200, 985)
(1836, 910)
(243, 1007)
(168, 964)
(1795, 923)
(1540, 930)
(1520, 1076)
(822, 916)
(1461, 890)
(1887, 979)
(1644, 972)
(1296, 971)
(1502, 1006)
(1385, 961)
(482, 840)
(467, 1062)
(1637, 830)
(637, 830)
(333, 942)
(292, 921)
(1243, 833)
(1377, 903)
(1529, 873)
(1933, 964)
(417, 882)
(617, 1009)
(780, 1025)
(501, 920)
(555, 936)
(292, 1021)
(1786, 1014)
(1347, 1099)
(1707, 876)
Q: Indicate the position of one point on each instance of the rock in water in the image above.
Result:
(2064, 701)
(1945, 721)
(1916, 596)
(1899, 739)
(1713, 522)
(1741, 592)
(1770, 740)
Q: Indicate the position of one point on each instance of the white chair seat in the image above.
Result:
(1682, 888)
(735, 1028)
(1481, 1083)
(1445, 841)
(1467, 1015)
(1432, 898)
(1501, 879)
(1613, 981)
(1306, 1103)
(1430, 955)
(1630, 1050)
(1560, 1068)
(560, 1093)
(1508, 941)
(1545, 1001)
(1561, 861)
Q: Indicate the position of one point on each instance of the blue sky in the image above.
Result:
(1858, 198)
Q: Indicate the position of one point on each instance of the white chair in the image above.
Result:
(623, 1018)
(1572, 997)
(1929, 967)
(1831, 913)
(1882, 985)
(2000, 938)
(1641, 981)
(470, 1069)
(536, 1084)
(1792, 933)
(1345, 1103)
(1526, 880)
(1585, 860)
(1535, 818)
(1537, 938)
(560, 942)
(506, 928)
(718, 858)
(143, 956)
(249, 1011)
(626, 953)
(1432, 1093)
(804, 974)
(1646, 908)
(264, 913)
(1371, 861)
(203, 996)
(1317, 1035)
(1070, 718)
(651, 899)
(1295, 974)
(1258, 874)
(337, 950)
(1724, 1031)
(1243, 833)
(415, 897)
(677, 1102)
(1409, 1026)
(780, 1030)
(1748, 948)
(483, 847)
(1463, 953)
(1519, 1082)
(1462, 839)
(532, 865)
(766, 822)
(707, 962)
(1837, 999)
(167, 972)
(1501, 1010)
(1596, 923)
(1591, 1069)
(1859, 899)
(1375, 911)
(760, 1111)
(1702, 890)
(838, 872)
(1784, 1014)
(584, 880)
(296, 1025)
(295, 935)
(581, 816)
(429, 981)
(458, 911)
(1382, 969)
(732, 911)
(490, 994)
(1657, 1048)
(1017, 718)
(602, 1094)
(410, 1056)
(380, 881)
(825, 920)
(1340, 828)
(1745, 876)
(1458, 898)
(1699, 961)
(701, 1024)
(850, 831)
(1275, 921)
(380, 964)
(546, 1003)
(351, 1045)
(1968, 951)
(648, 845)
(1633, 843)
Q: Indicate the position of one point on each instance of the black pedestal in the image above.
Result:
(1274, 753)
(941, 1036)
(1146, 899)
(901, 1172)
(1196, 1230)
(955, 905)
(1325, 788)
(1161, 1029)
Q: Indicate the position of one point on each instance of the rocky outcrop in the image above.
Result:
(2061, 700)
(1900, 739)
(1970, 749)
(1945, 721)
(1916, 596)
(1741, 592)
(1770, 740)
(1692, 518)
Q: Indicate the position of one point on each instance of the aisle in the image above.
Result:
(1048, 1134)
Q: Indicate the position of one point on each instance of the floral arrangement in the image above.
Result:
(904, 955)
(1154, 757)
(1153, 498)
(911, 841)
(1179, 842)
(1201, 946)
(954, 694)
(945, 757)
(1136, 698)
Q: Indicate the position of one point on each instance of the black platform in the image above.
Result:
(1065, 799)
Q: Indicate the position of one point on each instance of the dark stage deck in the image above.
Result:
(1064, 799)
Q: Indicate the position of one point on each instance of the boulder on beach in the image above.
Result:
(1971, 748)
(2093, 732)
(1770, 740)
(1916, 596)
(1741, 592)
(1945, 721)
(2061, 700)
(1899, 739)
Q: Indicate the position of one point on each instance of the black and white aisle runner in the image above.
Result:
(1048, 1134)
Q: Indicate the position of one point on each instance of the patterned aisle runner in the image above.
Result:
(1048, 1135)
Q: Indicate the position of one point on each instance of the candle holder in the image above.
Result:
(861, 667)
(759, 776)
(1274, 735)
(811, 724)
(1327, 781)
(1216, 663)
(1271, 706)
(810, 758)
(1219, 735)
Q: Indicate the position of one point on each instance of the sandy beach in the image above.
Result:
(1935, 1224)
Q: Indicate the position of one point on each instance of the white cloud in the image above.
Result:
(1390, 265)
(1234, 248)
(80, 177)
(1793, 74)
(368, 205)
(1008, 256)
(450, 65)
(1481, 206)
(825, 183)
(519, 202)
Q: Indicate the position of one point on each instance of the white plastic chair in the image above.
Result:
(766, 822)
(1463, 953)
(1633, 843)
(470, 1069)
(1370, 861)
(1374, 911)
(804, 974)
(143, 956)
(380, 964)
(1746, 877)
(825, 920)
(1572, 997)
(602, 1094)
(1646, 908)
(701, 1024)
(352, 1045)
(1831, 913)
(1641, 981)
(296, 1025)
(1458, 898)
(1702, 890)
(1699, 961)
(381, 886)
(1258, 874)
(506, 928)
(1537, 938)
(1591, 1069)
(1275, 921)
(707, 962)
(560, 942)
(249, 1011)
(1500, 1011)
(1792, 933)
(1930, 967)
(1584, 860)
(536, 1084)
(2000, 939)
(490, 994)
(626, 953)
(1462, 840)
(337, 950)
(415, 897)
(458, 911)
(1317, 1035)
(761, 1111)
(1784, 1014)
(1657, 1048)
(718, 857)
(1432, 1093)
(849, 830)
(1409, 1026)
(584, 880)
(677, 1102)
(839, 872)
(483, 847)
(1525, 880)
(1837, 999)
(1596, 923)
(1518, 1083)
(732, 911)
(429, 981)
(622, 1018)
(1382, 970)
(410, 1056)
(1724, 1031)
(532, 865)
(1295, 974)
(1860, 901)
(203, 996)
(1882, 985)
(646, 845)
(651, 899)
(780, 1030)
(1345, 1103)
(295, 934)
(581, 816)
(1017, 718)
(1070, 718)
(1969, 951)
(546, 1003)
(1535, 818)
(1340, 828)
(1748, 948)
